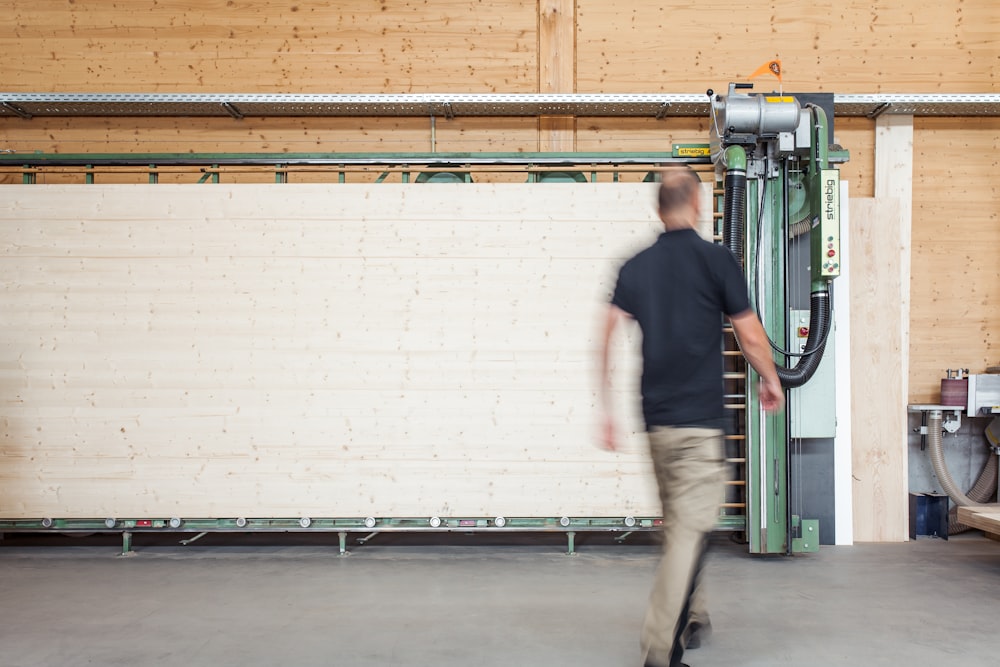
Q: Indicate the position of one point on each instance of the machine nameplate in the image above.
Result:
(688, 150)
(829, 227)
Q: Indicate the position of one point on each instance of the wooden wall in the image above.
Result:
(409, 46)
(395, 46)
(315, 350)
(955, 263)
(588, 46)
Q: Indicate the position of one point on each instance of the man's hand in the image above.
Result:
(609, 434)
(752, 338)
(772, 396)
(609, 430)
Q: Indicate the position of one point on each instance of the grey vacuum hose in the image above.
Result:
(984, 488)
(982, 492)
(940, 469)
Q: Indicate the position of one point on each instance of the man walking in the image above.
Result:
(678, 290)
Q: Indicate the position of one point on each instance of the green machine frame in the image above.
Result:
(772, 154)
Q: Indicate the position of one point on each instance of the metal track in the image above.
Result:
(31, 105)
(129, 528)
(344, 159)
(350, 524)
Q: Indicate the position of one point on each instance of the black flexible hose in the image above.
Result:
(734, 212)
(734, 215)
(819, 329)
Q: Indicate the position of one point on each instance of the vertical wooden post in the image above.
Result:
(556, 70)
(894, 182)
(894, 179)
(878, 372)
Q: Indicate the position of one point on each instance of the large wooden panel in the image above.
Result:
(835, 46)
(220, 46)
(878, 400)
(341, 350)
(955, 321)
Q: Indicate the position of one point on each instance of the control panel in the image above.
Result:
(826, 226)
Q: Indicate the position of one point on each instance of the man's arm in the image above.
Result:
(752, 338)
(609, 437)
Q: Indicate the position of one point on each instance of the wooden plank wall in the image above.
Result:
(452, 45)
(845, 46)
(955, 268)
(315, 350)
(271, 46)
(396, 46)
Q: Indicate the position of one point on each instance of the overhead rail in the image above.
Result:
(662, 105)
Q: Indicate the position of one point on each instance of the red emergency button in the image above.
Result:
(803, 332)
(831, 253)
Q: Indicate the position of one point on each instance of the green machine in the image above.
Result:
(780, 201)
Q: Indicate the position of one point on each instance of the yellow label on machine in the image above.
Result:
(778, 100)
(692, 151)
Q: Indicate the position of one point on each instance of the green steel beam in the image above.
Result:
(766, 432)
(348, 524)
(343, 159)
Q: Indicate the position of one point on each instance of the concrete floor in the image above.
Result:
(466, 600)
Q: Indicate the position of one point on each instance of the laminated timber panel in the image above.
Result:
(316, 350)
(878, 397)
(258, 47)
(985, 518)
(927, 46)
(955, 266)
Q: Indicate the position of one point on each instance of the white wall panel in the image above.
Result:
(322, 350)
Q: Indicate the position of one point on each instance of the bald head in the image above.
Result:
(678, 197)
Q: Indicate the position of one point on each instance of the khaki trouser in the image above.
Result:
(690, 472)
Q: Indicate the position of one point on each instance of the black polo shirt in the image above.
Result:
(678, 289)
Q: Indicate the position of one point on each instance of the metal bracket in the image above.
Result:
(809, 542)
(232, 110)
(127, 545)
(16, 110)
(879, 110)
(952, 421)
